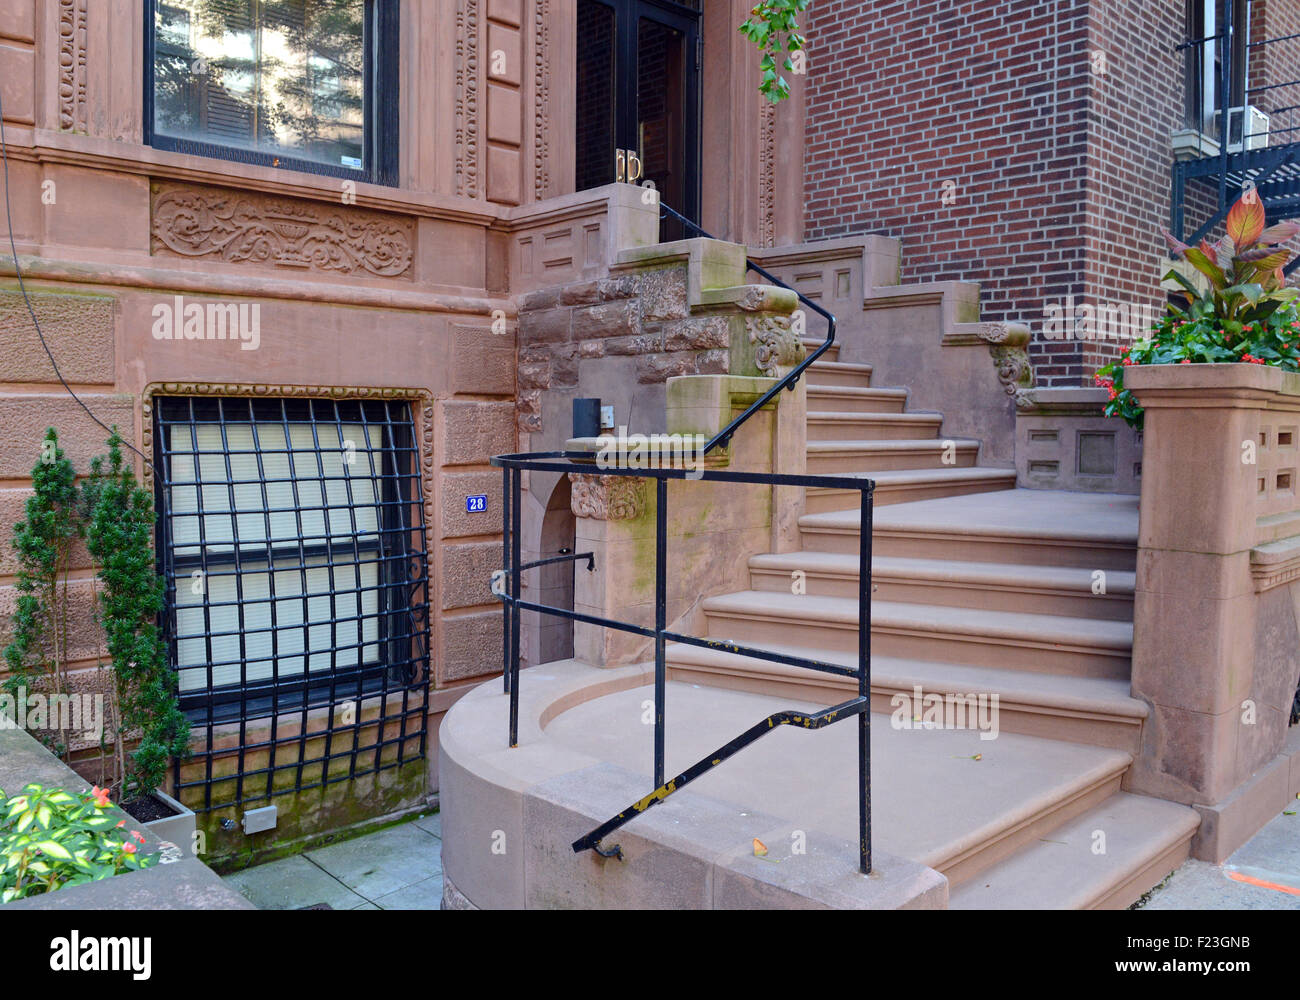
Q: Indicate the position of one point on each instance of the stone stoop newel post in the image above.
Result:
(713, 528)
(1216, 649)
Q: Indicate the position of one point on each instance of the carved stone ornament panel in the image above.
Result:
(607, 498)
(248, 228)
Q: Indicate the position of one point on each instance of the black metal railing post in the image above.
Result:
(864, 681)
(508, 570)
(661, 621)
(1225, 81)
(514, 606)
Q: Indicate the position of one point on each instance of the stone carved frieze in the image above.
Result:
(607, 498)
(767, 176)
(242, 227)
(541, 100)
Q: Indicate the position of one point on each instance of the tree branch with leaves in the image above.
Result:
(773, 27)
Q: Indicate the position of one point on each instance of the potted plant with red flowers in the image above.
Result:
(1245, 314)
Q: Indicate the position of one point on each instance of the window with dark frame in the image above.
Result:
(292, 547)
(299, 84)
(1204, 63)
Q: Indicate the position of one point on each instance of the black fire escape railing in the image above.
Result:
(506, 585)
(1273, 171)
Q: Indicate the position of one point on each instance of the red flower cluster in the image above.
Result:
(1251, 359)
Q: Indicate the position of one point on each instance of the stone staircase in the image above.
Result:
(979, 588)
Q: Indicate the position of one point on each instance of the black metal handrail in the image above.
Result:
(507, 590)
(723, 436)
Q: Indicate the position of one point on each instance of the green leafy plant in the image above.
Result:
(37, 654)
(119, 534)
(771, 26)
(51, 838)
(1246, 314)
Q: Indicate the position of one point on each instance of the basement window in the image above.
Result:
(291, 543)
(300, 84)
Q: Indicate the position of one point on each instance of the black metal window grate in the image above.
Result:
(292, 546)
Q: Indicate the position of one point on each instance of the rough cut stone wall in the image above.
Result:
(643, 315)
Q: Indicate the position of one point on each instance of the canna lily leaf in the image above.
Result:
(1207, 267)
(1251, 292)
(1279, 233)
(1192, 291)
(1246, 221)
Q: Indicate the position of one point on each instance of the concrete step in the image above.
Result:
(832, 352)
(905, 486)
(839, 373)
(1051, 590)
(866, 457)
(1095, 531)
(1050, 644)
(1097, 711)
(931, 800)
(1144, 840)
(832, 426)
(847, 399)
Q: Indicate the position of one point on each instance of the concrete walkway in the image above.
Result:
(399, 868)
(1264, 874)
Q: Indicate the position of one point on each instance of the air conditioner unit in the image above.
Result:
(1257, 123)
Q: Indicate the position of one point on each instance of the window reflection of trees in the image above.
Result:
(270, 74)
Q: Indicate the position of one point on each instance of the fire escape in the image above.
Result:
(1256, 144)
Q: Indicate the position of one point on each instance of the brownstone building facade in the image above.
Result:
(411, 208)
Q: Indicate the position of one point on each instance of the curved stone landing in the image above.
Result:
(948, 806)
(510, 815)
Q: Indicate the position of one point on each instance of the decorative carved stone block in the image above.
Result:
(607, 498)
(242, 227)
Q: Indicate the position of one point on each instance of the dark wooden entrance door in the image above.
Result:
(638, 73)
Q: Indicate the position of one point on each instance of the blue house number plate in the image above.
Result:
(476, 505)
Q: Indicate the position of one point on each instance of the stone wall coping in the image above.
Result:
(821, 250)
(1083, 400)
(1275, 563)
(1235, 385)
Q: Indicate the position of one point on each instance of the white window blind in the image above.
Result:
(286, 519)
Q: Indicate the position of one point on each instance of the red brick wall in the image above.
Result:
(1024, 145)
(1136, 100)
(960, 127)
